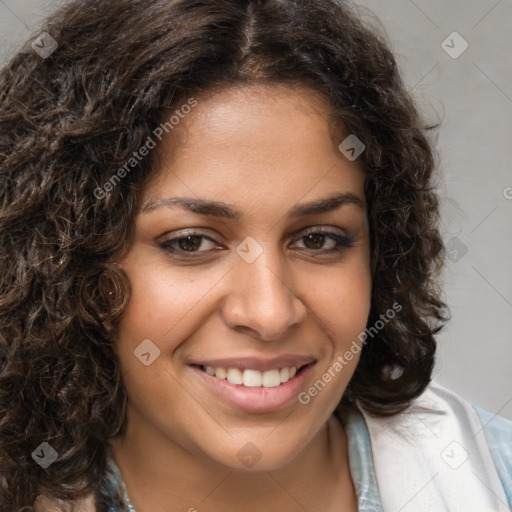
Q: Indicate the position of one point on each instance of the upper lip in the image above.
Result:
(257, 363)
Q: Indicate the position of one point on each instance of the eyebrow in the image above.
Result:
(219, 209)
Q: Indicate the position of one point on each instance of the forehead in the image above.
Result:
(249, 117)
(252, 140)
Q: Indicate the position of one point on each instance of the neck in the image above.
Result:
(318, 478)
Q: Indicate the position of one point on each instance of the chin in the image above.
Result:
(268, 451)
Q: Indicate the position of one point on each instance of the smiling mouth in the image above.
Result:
(254, 378)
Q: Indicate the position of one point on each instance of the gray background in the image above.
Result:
(472, 94)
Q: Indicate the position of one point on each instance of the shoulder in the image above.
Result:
(492, 433)
(444, 437)
(498, 434)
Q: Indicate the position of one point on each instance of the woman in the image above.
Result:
(220, 253)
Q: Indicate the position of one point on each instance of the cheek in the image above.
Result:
(342, 300)
(341, 304)
(156, 320)
(167, 306)
(163, 302)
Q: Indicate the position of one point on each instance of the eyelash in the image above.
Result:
(342, 242)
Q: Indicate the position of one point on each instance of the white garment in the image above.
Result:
(434, 457)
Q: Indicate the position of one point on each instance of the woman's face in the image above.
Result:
(274, 275)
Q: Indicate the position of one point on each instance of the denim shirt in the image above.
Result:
(498, 433)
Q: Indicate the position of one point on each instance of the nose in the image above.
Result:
(261, 300)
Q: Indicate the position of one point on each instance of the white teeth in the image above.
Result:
(271, 379)
(253, 378)
(234, 375)
(220, 373)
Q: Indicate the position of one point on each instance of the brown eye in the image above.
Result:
(314, 241)
(320, 242)
(190, 243)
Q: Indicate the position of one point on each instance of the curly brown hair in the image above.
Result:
(69, 121)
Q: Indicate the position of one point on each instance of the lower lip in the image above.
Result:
(256, 399)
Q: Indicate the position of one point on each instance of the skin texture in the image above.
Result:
(262, 150)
